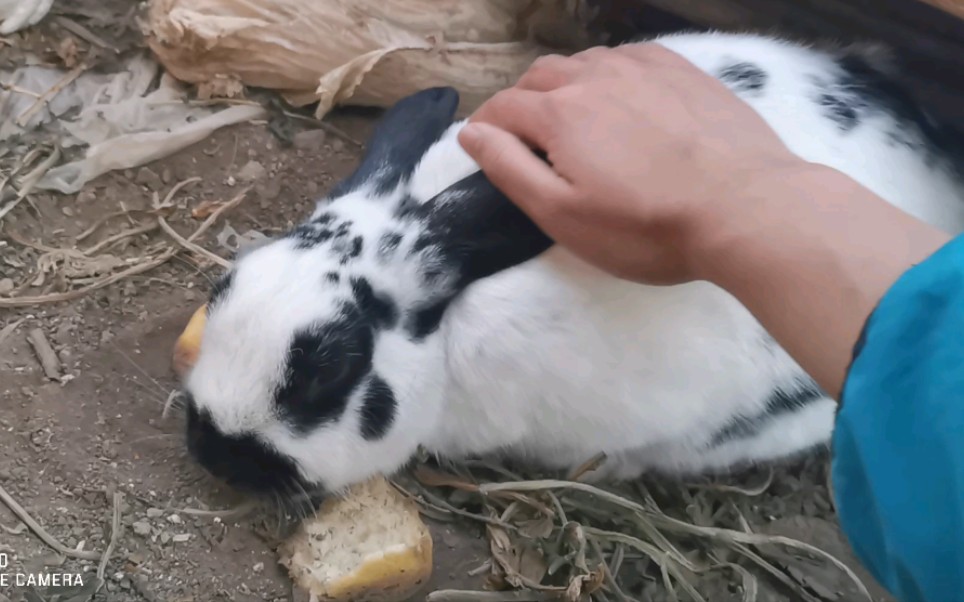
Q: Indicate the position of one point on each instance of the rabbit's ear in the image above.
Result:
(405, 132)
(477, 230)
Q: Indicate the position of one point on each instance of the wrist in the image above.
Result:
(749, 214)
(810, 252)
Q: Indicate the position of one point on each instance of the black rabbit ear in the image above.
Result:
(403, 135)
(477, 230)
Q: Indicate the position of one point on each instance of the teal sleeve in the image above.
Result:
(898, 444)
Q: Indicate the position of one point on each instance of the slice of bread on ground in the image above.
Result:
(370, 545)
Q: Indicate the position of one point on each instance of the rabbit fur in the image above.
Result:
(417, 307)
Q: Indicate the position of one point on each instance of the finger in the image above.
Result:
(548, 73)
(518, 112)
(514, 169)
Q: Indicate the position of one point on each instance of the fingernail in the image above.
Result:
(470, 135)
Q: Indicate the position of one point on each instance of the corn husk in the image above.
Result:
(359, 52)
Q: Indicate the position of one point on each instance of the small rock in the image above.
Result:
(252, 171)
(167, 175)
(6, 285)
(310, 140)
(174, 519)
(154, 512)
(142, 528)
(338, 144)
(67, 210)
(86, 196)
(268, 190)
(146, 177)
(258, 567)
(165, 537)
(181, 537)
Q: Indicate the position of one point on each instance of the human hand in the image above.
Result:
(648, 155)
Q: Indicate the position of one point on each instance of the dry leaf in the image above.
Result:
(434, 478)
(205, 209)
(69, 52)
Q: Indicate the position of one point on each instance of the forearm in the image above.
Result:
(811, 259)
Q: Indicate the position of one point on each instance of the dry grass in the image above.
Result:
(569, 540)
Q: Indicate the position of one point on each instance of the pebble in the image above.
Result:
(252, 171)
(174, 519)
(181, 537)
(154, 512)
(141, 527)
(268, 190)
(146, 177)
(311, 140)
(6, 285)
(67, 210)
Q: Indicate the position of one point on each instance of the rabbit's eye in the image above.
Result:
(324, 368)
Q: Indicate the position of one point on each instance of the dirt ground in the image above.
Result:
(67, 445)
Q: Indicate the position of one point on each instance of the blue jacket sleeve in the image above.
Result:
(898, 444)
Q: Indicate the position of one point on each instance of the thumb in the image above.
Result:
(514, 168)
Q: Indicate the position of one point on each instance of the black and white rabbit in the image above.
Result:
(418, 307)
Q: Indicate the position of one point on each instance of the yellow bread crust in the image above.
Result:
(188, 344)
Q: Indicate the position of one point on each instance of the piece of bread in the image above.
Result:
(368, 546)
(188, 345)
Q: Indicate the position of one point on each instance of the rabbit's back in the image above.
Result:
(558, 361)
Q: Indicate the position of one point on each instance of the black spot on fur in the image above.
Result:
(343, 229)
(426, 321)
(314, 233)
(887, 92)
(421, 243)
(408, 209)
(324, 366)
(744, 77)
(243, 461)
(842, 108)
(388, 244)
(781, 401)
(378, 308)
(220, 289)
(309, 236)
(378, 409)
(861, 89)
(353, 251)
(333, 277)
